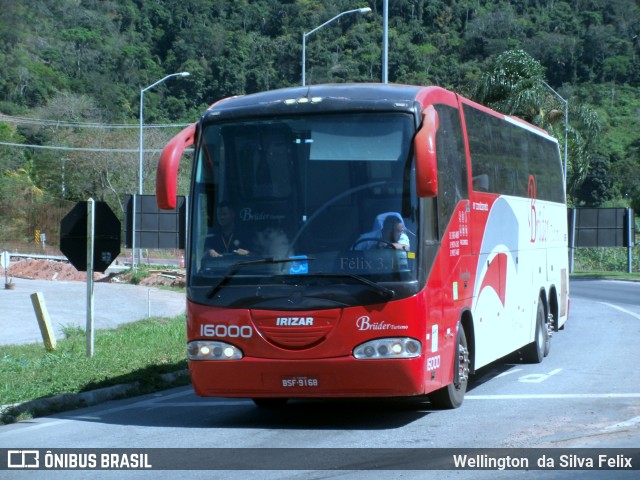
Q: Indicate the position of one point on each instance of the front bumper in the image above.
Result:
(331, 378)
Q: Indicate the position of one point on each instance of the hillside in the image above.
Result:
(73, 71)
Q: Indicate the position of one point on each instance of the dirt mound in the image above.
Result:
(39, 269)
(164, 279)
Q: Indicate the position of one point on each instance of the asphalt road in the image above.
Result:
(585, 394)
(608, 291)
(66, 303)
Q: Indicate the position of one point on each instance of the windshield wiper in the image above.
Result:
(236, 267)
(385, 292)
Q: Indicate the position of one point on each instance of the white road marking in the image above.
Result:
(629, 423)
(538, 377)
(30, 426)
(552, 396)
(504, 374)
(624, 310)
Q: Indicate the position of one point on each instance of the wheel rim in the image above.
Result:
(463, 362)
(463, 365)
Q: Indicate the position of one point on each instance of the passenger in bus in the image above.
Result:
(481, 183)
(388, 229)
(226, 238)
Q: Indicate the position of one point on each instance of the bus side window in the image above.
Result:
(452, 164)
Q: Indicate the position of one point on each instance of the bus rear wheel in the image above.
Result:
(452, 395)
(539, 348)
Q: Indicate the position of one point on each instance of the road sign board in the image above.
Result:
(73, 236)
(155, 228)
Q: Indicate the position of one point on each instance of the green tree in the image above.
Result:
(513, 84)
(104, 52)
(18, 194)
(11, 157)
(596, 188)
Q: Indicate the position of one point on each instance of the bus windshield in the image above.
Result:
(300, 212)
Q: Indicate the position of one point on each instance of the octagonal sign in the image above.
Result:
(73, 236)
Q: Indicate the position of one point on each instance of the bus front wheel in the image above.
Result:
(452, 395)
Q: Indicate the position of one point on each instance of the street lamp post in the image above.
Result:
(385, 41)
(181, 74)
(566, 126)
(564, 170)
(63, 160)
(305, 35)
(141, 155)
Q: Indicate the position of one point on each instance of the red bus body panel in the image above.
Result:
(328, 362)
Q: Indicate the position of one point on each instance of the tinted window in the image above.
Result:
(504, 156)
(452, 164)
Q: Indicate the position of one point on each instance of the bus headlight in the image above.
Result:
(210, 350)
(388, 348)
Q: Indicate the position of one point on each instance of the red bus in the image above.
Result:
(366, 241)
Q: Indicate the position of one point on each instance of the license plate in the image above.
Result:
(300, 382)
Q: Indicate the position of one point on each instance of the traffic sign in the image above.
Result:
(73, 236)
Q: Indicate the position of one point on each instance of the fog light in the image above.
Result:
(412, 346)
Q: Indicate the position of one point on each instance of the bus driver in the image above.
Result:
(226, 239)
(388, 229)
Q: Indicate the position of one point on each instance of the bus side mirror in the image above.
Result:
(424, 146)
(167, 175)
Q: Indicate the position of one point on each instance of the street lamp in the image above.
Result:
(181, 74)
(133, 242)
(566, 125)
(305, 35)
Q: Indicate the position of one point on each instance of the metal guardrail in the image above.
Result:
(59, 258)
(125, 262)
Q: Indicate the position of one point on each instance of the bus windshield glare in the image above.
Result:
(300, 212)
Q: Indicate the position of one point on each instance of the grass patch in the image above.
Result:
(601, 275)
(136, 276)
(134, 352)
(606, 263)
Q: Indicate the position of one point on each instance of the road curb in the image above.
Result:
(69, 401)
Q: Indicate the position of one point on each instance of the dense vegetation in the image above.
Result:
(69, 67)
